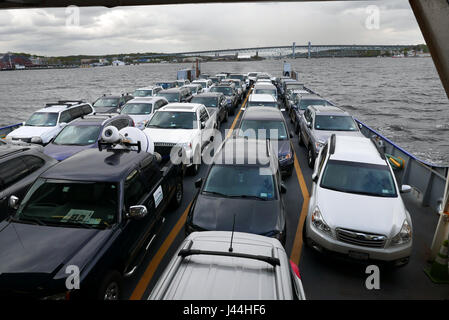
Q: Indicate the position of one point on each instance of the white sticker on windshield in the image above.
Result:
(158, 196)
(78, 215)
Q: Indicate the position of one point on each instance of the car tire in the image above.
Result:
(178, 196)
(310, 157)
(195, 166)
(111, 286)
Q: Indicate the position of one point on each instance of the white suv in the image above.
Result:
(45, 124)
(356, 208)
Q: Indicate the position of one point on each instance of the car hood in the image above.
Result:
(61, 152)
(170, 135)
(253, 216)
(377, 215)
(30, 131)
(323, 135)
(37, 253)
(139, 117)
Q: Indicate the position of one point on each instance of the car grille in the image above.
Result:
(360, 238)
(163, 148)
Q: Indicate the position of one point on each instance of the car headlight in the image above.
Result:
(404, 235)
(318, 221)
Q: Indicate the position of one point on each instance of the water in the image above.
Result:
(401, 98)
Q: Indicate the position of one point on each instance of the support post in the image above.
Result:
(442, 231)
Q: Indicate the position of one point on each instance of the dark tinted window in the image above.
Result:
(12, 171)
(33, 163)
(65, 117)
(87, 109)
(134, 189)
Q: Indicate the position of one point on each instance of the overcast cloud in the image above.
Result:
(177, 28)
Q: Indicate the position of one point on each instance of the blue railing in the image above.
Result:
(5, 130)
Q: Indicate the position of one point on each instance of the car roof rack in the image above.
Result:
(71, 101)
(58, 104)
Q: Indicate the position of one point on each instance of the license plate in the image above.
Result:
(358, 255)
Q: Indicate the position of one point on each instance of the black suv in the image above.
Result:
(214, 102)
(242, 191)
(111, 104)
(176, 95)
(20, 165)
(231, 95)
(95, 213)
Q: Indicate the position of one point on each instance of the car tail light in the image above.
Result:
(295, 269)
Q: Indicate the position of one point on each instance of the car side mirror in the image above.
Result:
(309, 124)
(198, 183)
(138, 212)
(62, 124)
(203, 125)
(283, 188)
(13, 202)
(406, 188)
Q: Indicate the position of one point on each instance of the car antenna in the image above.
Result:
(232, 235)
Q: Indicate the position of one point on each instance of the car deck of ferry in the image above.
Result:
(323, 276)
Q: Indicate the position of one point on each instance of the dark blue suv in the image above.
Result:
(84, 133)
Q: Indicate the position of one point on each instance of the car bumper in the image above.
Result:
(326, 242)
(286, 166)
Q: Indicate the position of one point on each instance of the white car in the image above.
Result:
(205, 83)
(195, 88)
(262, 100)
(187, 125)
(46, 123)
(265, 88)
(150, 91)
(141, 109)
(355, 208)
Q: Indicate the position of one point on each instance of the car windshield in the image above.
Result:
(70, 203)
(207, 101)
(193, 89)
(237, 76)
(262, 104)
(137, 108)
(227, 91)
(143, 93)
(253, 74)
(173, 120)
(239, 182)
(107, 102)
(170, 96)
(265, 91)
(166, 85)
(272, 129)
(304, 103)
(43, 119)
(335, 123)
(359, 178)
(78, 135)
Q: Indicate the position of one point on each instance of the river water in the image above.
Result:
(402, 98)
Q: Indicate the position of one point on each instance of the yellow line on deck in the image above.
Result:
(141, 287)
(295, 255)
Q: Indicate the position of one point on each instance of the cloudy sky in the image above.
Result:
(177, 28)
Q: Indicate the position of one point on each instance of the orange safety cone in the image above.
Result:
(438, 272)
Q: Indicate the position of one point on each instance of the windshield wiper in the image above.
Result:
(217, 193)
(246, 196)
(29, 219)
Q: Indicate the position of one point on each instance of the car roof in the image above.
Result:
(145, 99)
(202, 276)
(148, 88)
(328, 110)
(182, 107)
(170, 90)
(356, 149)
(59, 107)
(259, 97)
(8, 149)
(263, 113)
(95, 165)
(264, 85)
(313, 96)
(209, 94)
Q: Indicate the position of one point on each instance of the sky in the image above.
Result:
(194, 27)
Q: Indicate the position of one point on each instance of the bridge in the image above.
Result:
(291, 50)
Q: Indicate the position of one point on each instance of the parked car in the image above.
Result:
(20, 165)
(186, 125)
(110, 103)
(355, 208)
(150, 91)
(238, 87)
(265, 88)
(176, 95)
(230, 93)
(141, 109)
(168, 84)
(318, 123)
(98, 212)
(273, 125)
(182, 82)
(206, 84)
(215, 80)
(46, 123)
(260, 262)
(214, 102)
(293, 100)
(236, 196)
(84, 133)
(195, 88)
(243, 78)
(262, 100)
(252, 76)
(299, 104)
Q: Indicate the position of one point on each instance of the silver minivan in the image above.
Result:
(222, 265)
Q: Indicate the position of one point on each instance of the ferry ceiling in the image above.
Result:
(432, 17)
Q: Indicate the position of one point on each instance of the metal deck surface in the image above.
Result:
(323, 276)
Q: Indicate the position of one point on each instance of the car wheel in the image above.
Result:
(310, 157)
(111, 287)
(179, 193)
(196, 159)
